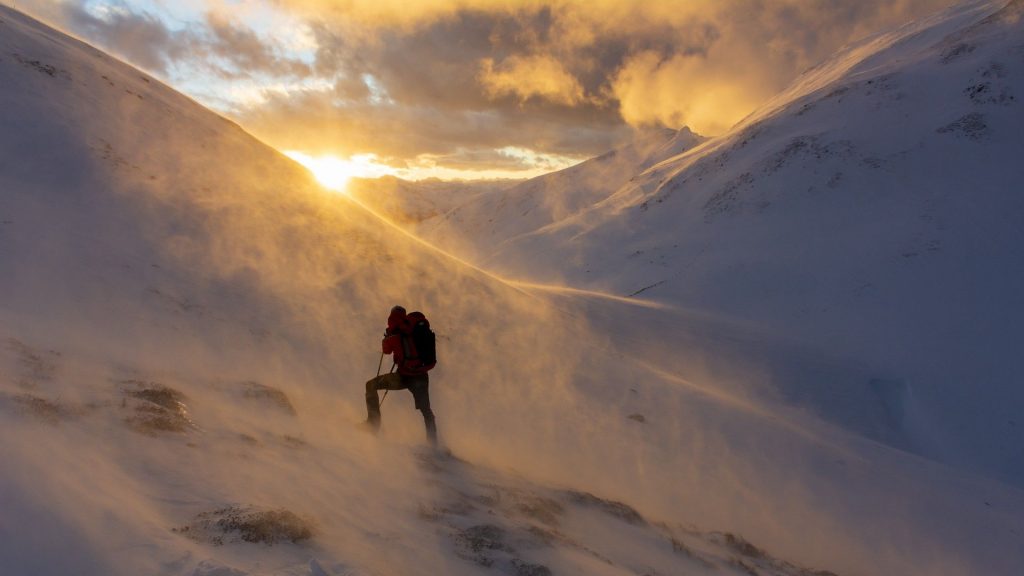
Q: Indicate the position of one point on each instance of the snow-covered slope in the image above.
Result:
(490, 221)
(186, 323)
(872, 211)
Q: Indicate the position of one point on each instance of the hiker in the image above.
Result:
(410, 341)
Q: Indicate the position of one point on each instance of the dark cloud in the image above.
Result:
(216, 44)
(431, 99)
(246, 51)
(440, 64)
(437, 100)
(140, 38)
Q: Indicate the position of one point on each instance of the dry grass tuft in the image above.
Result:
(156, 408)
(618, 509)
(41, 408)
(248, 524)
(262, 392)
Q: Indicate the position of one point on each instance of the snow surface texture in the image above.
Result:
(187, 320)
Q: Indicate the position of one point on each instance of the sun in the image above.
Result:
(330, 171)
(334, 173)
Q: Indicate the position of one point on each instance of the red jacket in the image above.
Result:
(398, 326)
(392, 344)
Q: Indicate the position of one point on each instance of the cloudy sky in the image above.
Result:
(473, 88)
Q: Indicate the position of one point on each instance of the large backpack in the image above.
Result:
(419, 344)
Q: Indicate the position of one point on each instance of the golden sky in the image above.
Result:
(474, 88)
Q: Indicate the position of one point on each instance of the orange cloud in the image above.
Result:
(701, 63)
(698, 92)
(531, 76)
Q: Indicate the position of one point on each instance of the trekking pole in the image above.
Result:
(386, 390)
(379, 366)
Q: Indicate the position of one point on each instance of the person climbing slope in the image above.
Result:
(411, 342)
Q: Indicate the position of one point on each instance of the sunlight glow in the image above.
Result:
(334, 172)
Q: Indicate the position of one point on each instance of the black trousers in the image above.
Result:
(418, 385)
